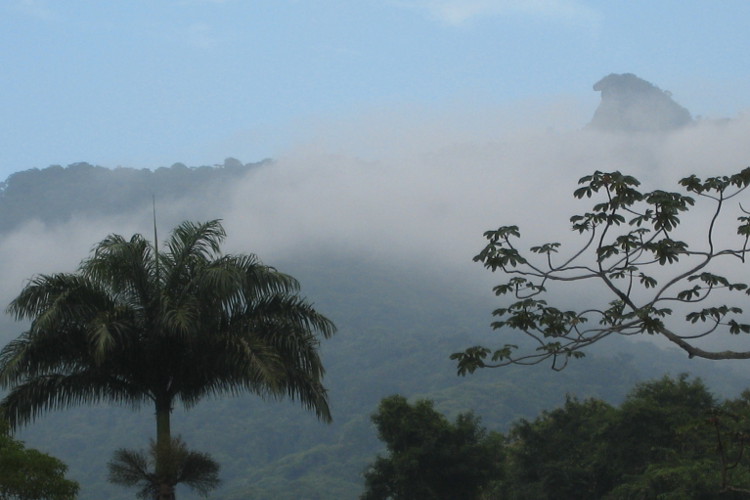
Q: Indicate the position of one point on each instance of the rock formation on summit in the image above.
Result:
(631, 104)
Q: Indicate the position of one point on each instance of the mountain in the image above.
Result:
(631, 104)
(55, 194)
(398, 323)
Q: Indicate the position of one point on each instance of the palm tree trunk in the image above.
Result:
(163, 442)
(163, 431)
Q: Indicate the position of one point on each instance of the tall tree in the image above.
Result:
(136, 324)
(562, 454)
(429, 457)
(643, 271)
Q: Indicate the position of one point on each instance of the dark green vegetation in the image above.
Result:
(27, 474)
(397, 323)
(657, 275)
(670, 439)
(56, 194)
(430, 458)
(136, 325)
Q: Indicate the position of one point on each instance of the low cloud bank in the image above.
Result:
(427, 193)
(413, 186)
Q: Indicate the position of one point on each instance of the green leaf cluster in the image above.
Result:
(28, 474)
(669, 439)
(429, 457)
(633, 253)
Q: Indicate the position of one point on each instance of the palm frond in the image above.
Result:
(129, 467)
(45, 292)
(264, 280)
(189, 245)
(290, 312)
(26, 401)
(169, 464)
(180, 316)
(230, 364)
(125, 267)
(199, 472)
(111, 329)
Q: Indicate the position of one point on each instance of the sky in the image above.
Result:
(149, 83)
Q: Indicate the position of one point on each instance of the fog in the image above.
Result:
(410, 185)
(427, 191)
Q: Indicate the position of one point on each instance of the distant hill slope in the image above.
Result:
(396, 333)
(54, 194)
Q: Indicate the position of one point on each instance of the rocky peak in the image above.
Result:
(631, 104)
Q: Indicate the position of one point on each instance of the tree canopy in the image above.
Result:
(643, 269)
(669, 439)
(55, 194)
(137, 324)
(429, 457)
(28, 474)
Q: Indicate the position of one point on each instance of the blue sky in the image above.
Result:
(150, 83)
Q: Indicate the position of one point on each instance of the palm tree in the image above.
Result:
(178, 464)
(138, 325)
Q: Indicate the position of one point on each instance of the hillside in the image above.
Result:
(55, 194)
(398, 323)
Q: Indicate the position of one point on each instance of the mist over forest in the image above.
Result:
(379, 217)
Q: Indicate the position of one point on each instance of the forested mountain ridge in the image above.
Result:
(398, 323)
(55, 193)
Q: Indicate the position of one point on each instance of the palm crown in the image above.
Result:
(136, 325)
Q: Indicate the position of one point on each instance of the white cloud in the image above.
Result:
(423, 187)
(456, 12)
(412, 186)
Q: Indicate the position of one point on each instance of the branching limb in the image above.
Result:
(616, 257)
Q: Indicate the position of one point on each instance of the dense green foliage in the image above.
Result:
(670, 439)
(139, 325)
(28, 474)
(429, 457)
(655, 277)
